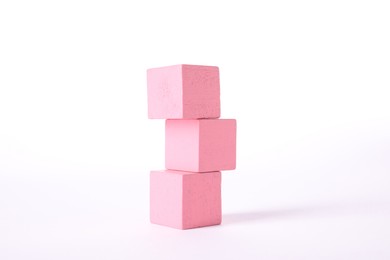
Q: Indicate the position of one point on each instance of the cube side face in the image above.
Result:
(166, 201)
(182, 145)
(201, 92)
(165, 92)
(217, 145)
(202, 200)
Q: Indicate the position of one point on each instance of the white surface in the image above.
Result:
(307, 81)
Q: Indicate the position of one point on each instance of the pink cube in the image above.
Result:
(183, 92)
(200, 145)
(185, 200)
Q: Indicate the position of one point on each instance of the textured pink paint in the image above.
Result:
(183, 92)
(200, 145)
(185, 200)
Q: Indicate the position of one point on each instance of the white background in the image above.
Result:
(308, 82)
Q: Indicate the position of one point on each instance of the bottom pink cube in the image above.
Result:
(185, 200)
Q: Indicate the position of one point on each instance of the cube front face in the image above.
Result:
(165, 92)
(217, 145)
(200, 145)
(202, 200)
(201, 91)
(182, 145)
(166, 196)
(185, 200)
(183, 92)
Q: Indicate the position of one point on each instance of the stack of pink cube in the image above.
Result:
(198, 146)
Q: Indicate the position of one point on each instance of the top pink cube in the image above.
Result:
(183, 92)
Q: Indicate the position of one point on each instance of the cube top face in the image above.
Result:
(185, 200)
(183, 92)
(200, 145)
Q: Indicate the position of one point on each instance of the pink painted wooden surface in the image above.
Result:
(185, 200)
(200, 145)
(183, 91)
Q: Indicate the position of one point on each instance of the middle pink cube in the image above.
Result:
(200, 145)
